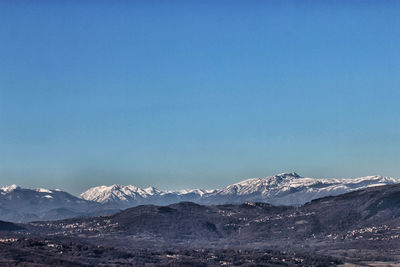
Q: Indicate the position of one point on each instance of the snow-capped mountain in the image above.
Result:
(125, 196)
(281, 189)
(118, 193)
(291, 189)
(20, 204)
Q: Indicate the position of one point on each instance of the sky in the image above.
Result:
(188, 94)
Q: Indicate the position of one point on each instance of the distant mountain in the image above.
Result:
(128, 196)
(21, 205)
(372, 212)
(119, 194)
(281, 189)
(359, 228)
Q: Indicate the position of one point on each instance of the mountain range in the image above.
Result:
(256, 220)
(22, 205)
(282, 189)
(359, 228)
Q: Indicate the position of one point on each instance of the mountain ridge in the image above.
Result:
(282, 189)
(22, 205)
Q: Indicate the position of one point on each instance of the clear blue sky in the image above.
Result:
(182, 94)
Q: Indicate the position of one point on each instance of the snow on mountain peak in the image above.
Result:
(151, 190)
(105, 194)
(8, 189)
(43, 190)
(287, 188)
(288, 174)
(260, 184)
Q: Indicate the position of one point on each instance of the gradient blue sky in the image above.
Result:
(182, 94)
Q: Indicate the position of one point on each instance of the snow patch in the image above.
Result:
(8, 189)
(43, 190)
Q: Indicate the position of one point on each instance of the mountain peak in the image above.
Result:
(291, 174)
(115, 186)
(288, 174)
(151, 190)
(43, 190)
(10, 188)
